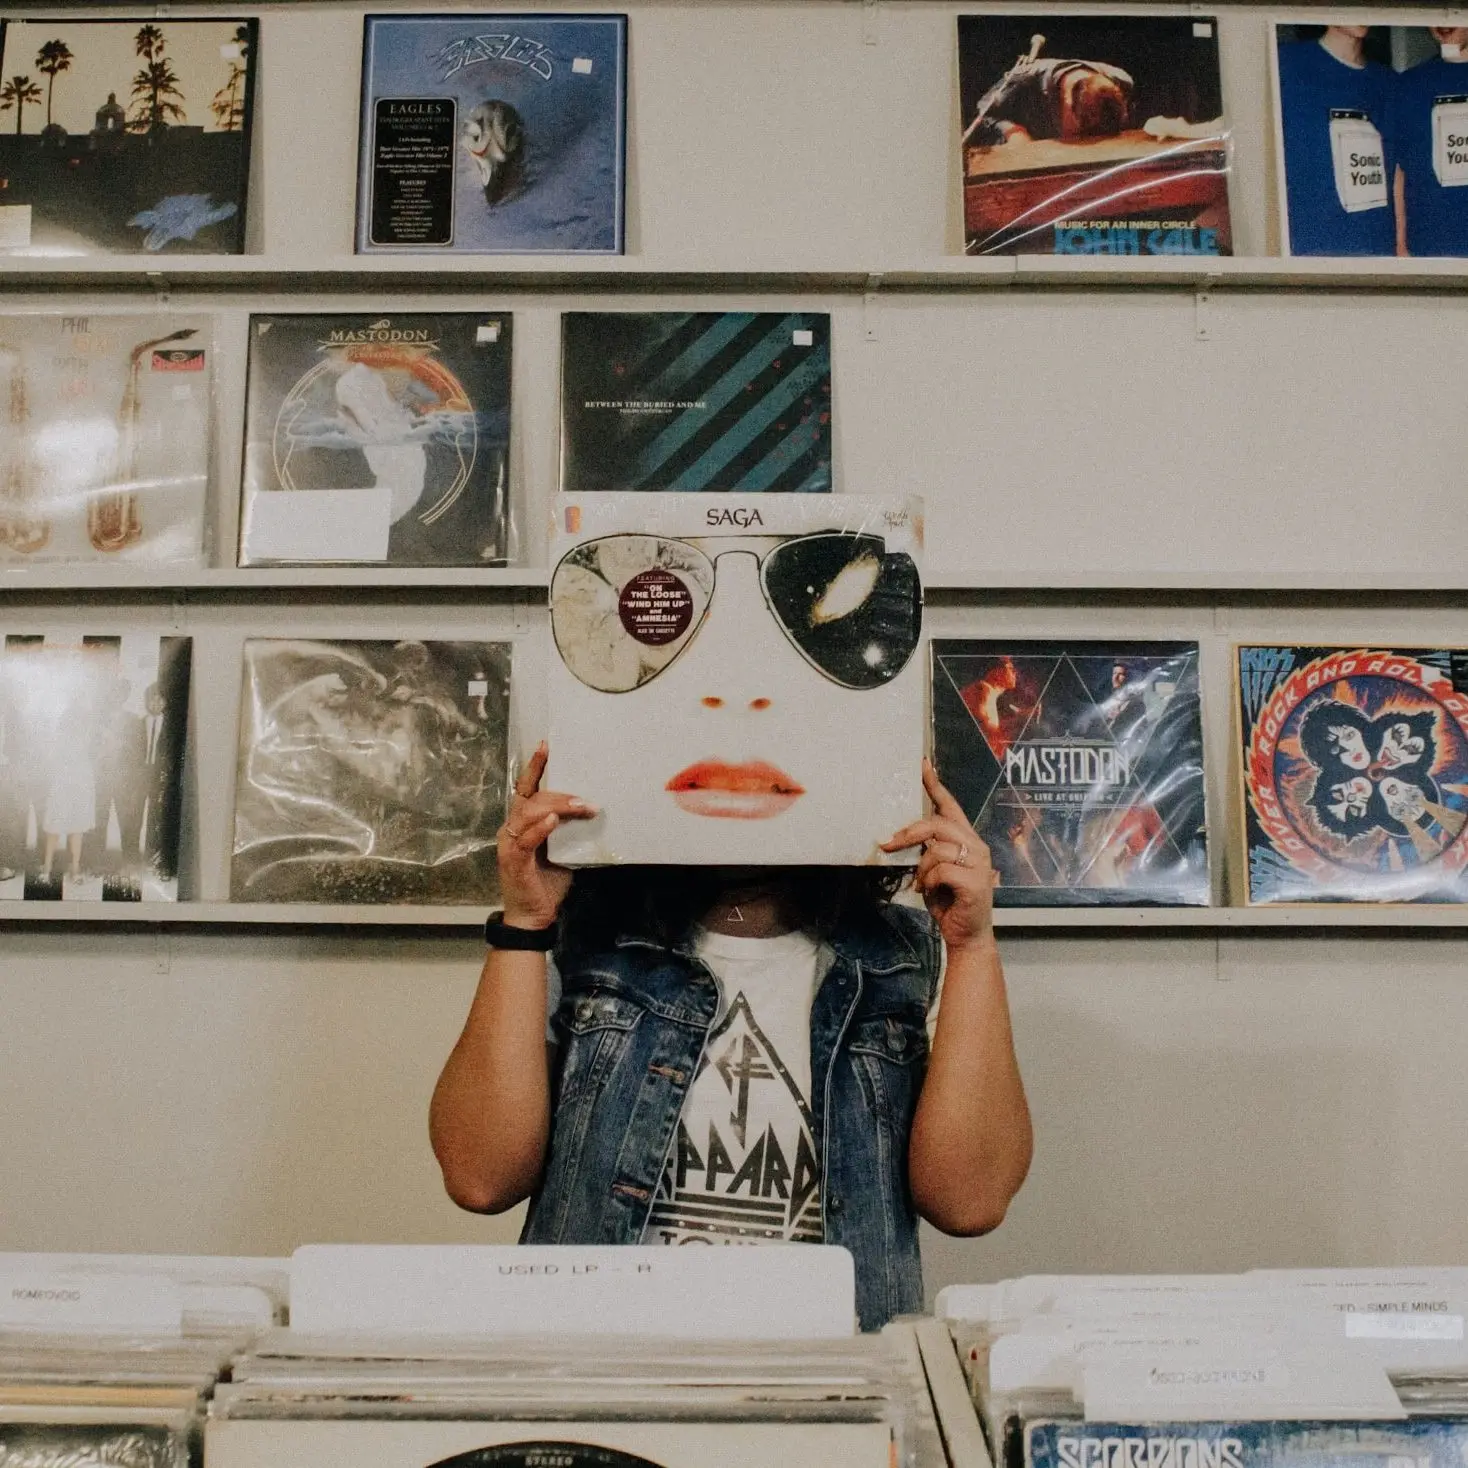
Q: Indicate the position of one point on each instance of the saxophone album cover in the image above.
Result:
(92, 736)
(127, 136)
(371, 771)
(377, 438)
(1092, 135)
(486, 134)
(107, 449)
(1080, 764)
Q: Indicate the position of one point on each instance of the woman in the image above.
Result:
(741, 1055)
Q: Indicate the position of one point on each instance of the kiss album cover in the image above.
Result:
(382, 439)
(92, 733)
(370, 771)
(696, 400)
(108, 434)
(1081, 766)
(493, 134)
(125, 136)
(728, 670)
(1092, 135)
(1355, 773)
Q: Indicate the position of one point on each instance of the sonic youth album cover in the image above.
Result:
(695, 400)
(377, 438)
(1081, 765)
(371, 771)
(1355, 763)
(1093, 135)
(125, 136)
(92, 733)
(493, 133)
(106, 451)
(1371, 133)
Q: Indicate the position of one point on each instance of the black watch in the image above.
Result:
(498, 934)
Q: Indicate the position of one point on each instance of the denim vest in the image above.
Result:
(633, 1022)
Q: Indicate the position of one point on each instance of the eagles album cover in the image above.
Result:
(1092, 135)
(106, 453)
(92, 732)
(695, 400)
(1355, 773)
(125, 136)
(377, 438)
(491, 134)
(1081, 765)
(371, 771)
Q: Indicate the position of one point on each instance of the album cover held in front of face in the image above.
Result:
(1080, 764)
(695, 400)
(381, 439)
(492, 134)
(1355, 773)
(728, 670)
(92, 732)
(106, 453)
(1093, 135)
(125, 136)
(370, 771)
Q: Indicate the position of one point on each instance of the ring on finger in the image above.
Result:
(962, 857)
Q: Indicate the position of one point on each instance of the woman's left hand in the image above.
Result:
(954, 877)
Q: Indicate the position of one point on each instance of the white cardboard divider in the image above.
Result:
(77, 1303)
(775, 1292)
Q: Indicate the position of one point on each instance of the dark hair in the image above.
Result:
(662, 903)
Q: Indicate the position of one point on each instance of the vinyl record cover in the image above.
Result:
(108, 427)
(1355, 773)
(695, 400)
(66, 1444)
(1371, 137)
(1093, 135)
(1080, 764)
(125, 136)
(490, 134)
(728, 670)
(377, 438)
(92, 732)
(370, 771)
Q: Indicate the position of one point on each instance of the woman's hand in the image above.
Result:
(531, 886)
(954, 877)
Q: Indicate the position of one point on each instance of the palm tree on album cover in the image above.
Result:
(155, 86)
(52, 59)
(19, 92)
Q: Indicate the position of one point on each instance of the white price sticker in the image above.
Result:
(1383, 1325)
(488, 332)
(582, 66)
(803, 338)
(15, 226)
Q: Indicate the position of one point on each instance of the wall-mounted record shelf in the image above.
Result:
(164, 579)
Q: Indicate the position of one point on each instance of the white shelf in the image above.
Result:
(247, 914)
(164, 579)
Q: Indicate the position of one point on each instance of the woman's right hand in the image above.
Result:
(531, 886)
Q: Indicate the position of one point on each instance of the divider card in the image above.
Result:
(377, 438)
(1081, 765)
(1355, 773)
(1093, 135)
(696, 400)
(488, 134)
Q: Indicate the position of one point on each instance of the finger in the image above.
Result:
(529, 781)
(948, 874)
(535, 807)
(943, 802)
(530, 837)
(975, 879)
(934, 828)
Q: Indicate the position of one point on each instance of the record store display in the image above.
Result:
(695, 400)
(493, 133)
(105, 454)
(1355, 773)
(92, 732)
(125, 136)
(377, 438)
(370, 771)
(1080, 764)
(1093, 135)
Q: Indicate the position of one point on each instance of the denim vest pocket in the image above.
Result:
(889, 1052)
(596, 1028)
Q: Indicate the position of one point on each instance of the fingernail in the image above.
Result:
(577, 804)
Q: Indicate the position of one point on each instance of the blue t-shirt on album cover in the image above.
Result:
(1340, 153)
(1432, 134)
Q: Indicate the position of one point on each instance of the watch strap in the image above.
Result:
(498, 934)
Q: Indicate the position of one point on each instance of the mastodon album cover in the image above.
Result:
(1092, 135)
(1355, 773)
(370, 771)
(92, 734)
(502, 133)
(372, 438)
(695, 400)
(125, 136)
(1080, 764)
(108, 423)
